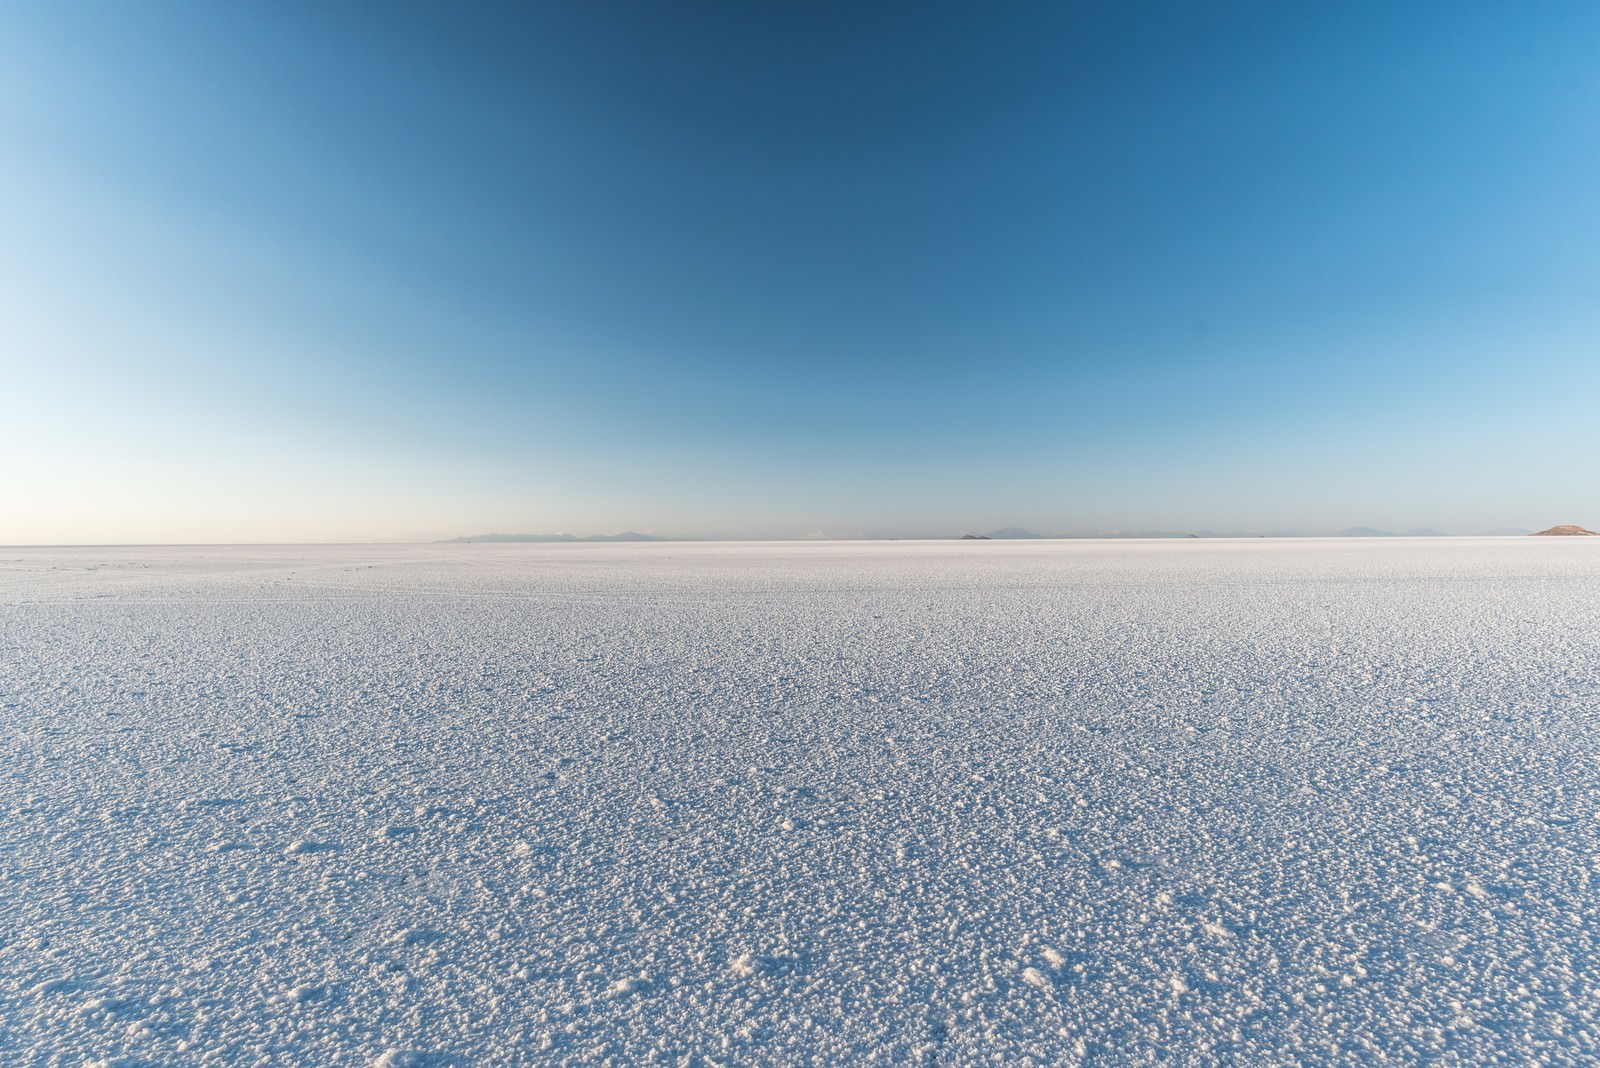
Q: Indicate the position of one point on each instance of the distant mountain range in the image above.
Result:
(626, 535)
(1022, 534)
(1348, 532)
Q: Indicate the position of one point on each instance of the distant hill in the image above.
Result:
(1424, 532)
(1008, 533)
(1567, 531)
(1153, 534)
(1365, 532)
(626, 535)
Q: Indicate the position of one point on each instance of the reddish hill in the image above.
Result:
(1568, 530)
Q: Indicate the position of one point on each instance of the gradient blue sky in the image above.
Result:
(308, 271)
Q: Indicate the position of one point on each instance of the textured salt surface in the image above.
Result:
(1105, 802)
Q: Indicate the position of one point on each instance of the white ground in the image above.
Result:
(1187, 802)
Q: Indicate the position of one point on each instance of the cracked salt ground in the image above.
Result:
(1199, 802)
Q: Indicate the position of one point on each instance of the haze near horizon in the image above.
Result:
(318, 273)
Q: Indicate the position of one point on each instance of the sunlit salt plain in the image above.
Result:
(1100, 802)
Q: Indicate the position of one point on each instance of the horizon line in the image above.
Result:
(684, 540)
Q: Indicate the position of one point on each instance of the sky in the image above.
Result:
(348, 272)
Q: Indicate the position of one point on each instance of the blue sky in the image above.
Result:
(348, 272)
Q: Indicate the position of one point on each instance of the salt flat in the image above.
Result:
(1100, 802)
